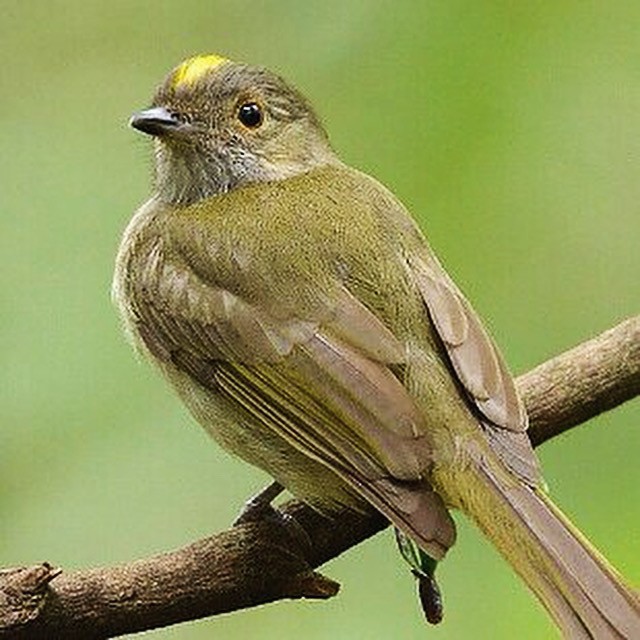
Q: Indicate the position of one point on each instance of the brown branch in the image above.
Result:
(263, 561)
(583, 382)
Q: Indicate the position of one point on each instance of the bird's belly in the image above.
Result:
(243, 435)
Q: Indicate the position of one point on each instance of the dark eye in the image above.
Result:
(250, 114)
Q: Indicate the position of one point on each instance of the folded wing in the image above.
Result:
(323, 383)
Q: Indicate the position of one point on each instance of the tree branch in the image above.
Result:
(263, 561)
(583, 382)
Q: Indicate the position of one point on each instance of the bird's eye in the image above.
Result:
(250, 114)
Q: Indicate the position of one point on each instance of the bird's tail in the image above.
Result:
(585, 595)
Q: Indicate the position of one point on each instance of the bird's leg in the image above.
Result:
(259, 506)
(423, 567)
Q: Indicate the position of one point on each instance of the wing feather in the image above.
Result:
(307, 425)
(480, 368)
(322, 384)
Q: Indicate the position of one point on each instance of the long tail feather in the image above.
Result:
(583, 593)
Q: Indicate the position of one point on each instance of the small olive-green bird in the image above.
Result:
(301, 316)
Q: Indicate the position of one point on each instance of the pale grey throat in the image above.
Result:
(193, 162)
(185, 175)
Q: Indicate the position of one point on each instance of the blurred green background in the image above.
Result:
(511, 129)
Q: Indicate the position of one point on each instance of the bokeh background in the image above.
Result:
(511, 129)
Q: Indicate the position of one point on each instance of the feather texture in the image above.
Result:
(318, 337)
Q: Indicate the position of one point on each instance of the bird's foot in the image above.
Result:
(259, 509)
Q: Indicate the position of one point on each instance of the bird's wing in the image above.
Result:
(324, 384)
(479, 366)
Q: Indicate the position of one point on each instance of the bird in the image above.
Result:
(298, 311)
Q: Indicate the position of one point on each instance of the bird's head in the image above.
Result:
(219, 125)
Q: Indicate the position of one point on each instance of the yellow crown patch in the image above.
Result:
(193, 68)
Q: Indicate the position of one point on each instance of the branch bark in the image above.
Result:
(260, 562)
(583, 382)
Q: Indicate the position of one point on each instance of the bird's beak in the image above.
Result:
(156, 121)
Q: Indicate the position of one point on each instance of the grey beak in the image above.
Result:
(156, 121)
